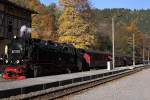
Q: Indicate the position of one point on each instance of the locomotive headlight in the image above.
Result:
(6, 50)
(6, 61)
(17, 61)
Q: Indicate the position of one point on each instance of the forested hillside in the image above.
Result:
(74, 21)
(127, 22)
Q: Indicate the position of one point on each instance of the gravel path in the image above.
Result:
(133, 87)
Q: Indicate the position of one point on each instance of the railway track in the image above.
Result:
(65, 88)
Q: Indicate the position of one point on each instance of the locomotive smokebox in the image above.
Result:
(25, 32)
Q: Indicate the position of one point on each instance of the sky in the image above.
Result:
(101, 4)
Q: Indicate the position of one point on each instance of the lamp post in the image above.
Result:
(133, 49)
(143, 53)
(148, 56)
(113, 38)
(113, 42)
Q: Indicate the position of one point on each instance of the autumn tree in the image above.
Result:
(139, 36)
(75, 25)
(43, 22)
(55, 13)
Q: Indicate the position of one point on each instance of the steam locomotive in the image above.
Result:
(28, 57)
(35, 57)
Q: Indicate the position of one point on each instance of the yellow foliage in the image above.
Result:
(34, 35)
(132, 27)
(78, 42)
(75, 24)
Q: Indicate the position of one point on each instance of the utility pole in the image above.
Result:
(148, 56)
(143, 54)
(113, 39)
(133, 49)
(113, 42)
(143, 51)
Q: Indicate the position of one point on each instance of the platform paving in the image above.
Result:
(12, 88)
(133, 87)
(5, 84)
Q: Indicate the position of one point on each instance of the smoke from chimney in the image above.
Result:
(25, 32)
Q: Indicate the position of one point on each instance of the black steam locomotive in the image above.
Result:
(39, 58)
(27, 57)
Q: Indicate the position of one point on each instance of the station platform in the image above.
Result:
(132, 87)
(12, 88)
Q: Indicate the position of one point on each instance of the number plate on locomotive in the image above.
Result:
(15, 51)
